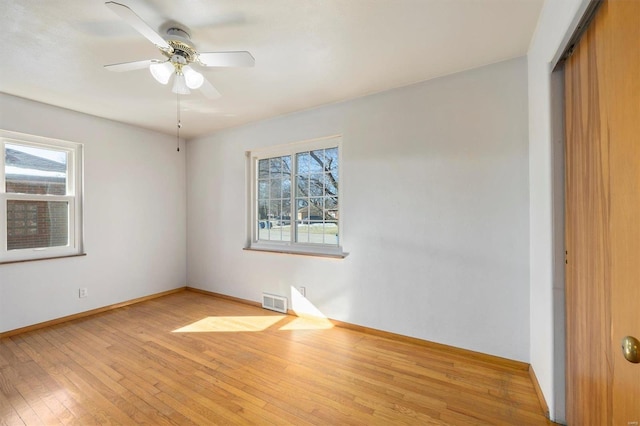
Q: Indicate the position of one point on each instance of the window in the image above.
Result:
(40, 188)
(295, 198)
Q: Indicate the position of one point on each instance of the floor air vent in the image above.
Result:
(274, 303)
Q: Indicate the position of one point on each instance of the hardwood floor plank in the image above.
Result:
(62, 396)
(189, 358)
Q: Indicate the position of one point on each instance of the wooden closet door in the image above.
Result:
(602, 94)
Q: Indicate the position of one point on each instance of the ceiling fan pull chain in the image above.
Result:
(179, 122)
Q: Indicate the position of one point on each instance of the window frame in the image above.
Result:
(291, 246)
(73, 196)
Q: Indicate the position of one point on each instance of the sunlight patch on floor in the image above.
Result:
(308, 318)
(241, 324)
(302, 323)
(231, 324)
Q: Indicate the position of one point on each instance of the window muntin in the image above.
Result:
(295, 206)
(40, 201)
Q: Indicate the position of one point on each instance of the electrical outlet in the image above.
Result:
(303, 291)
(82, 292)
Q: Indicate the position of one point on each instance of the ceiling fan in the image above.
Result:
(180, 52)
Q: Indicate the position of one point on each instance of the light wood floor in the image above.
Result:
(189, 358)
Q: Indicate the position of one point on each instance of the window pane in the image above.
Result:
(263, 222)
(263, 189)
(268, 212)
(264, 225)
(302, 186)
(276, 221)
(302, 212)
(263, 169)
(263, 229)
(275, 233)
(315, 210)
(276, 188)
(286, 187)
(302, 234)
(317, 161)
(331, 184)
(286, 165)
(331, 233)
(316, 184)
(274, 209)
(275, 166)
(331, 215)
(30, 170)
(263, 209)
(331, 159)
(302, 209)
(37, 224)
(302, 202)
(302, 160)
(331, 204)
(286, 213)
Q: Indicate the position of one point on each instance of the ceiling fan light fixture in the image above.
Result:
(193, 78)
(162, 71)
(175, 45)
(180, 85)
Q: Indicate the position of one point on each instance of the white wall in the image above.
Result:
(135, 214)
(557, 22)
(435, 212)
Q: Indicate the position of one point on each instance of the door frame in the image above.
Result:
(558, 241)
(583, 17)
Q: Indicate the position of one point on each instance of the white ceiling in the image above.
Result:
(308, 53)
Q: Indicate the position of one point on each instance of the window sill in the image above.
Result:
(8, 262)
(340, 255)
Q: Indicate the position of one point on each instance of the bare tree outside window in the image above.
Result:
(317, 196)
(299, 194)
(274, 199)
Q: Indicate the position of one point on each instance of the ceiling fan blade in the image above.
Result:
(130, 17)
(226, 59)
(209, 91)
(130, 66)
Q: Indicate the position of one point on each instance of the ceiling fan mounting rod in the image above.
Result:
(177, 31)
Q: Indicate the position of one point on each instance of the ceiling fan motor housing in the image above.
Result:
(180, 41)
